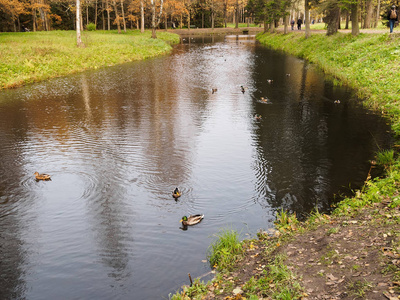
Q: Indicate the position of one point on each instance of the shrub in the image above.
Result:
(91, 27)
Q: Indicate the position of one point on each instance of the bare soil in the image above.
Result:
(345, 258)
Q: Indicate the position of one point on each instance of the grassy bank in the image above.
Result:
(369, 63)
(353, 253)
(35, 56)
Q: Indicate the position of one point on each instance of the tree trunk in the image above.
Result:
(95, 15)
(378, 11)
(368, 16)
(117, 16)
(108, 16)
(78, 24)
(81, 20)
(189, 20)
(225, 13)
(347, 20)
(102, 13)
(123, 15)
(141, 16)
(155, 20)
(212, 15)
(332, 17)
(237, 14)
(355, 28)
(87, 14)
(285, 24)
(34, 20)
(13, 19)
(307, 18)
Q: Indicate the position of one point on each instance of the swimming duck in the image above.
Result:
(270, 81)
(191, 220)
(242, 88)
(176, 193)
(41, 176)
(257, 117)
(336, 101)
(287, 74)
(265, 100)
(214, 90)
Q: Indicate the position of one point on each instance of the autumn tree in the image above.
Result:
(156, 13)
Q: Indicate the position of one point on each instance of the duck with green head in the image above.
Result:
(191, 220)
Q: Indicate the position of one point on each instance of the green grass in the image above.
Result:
(276, 282)
(366, 63)
(194, 292)
(241, 25)
(226, 250)
(322, 26)
(34, 56)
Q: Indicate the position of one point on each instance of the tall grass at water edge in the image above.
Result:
(34, 56)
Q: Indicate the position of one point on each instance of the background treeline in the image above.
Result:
(16, 15)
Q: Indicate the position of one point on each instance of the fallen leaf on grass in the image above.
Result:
(386, 294)
(331, 277)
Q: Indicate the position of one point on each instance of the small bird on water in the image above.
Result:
(41, 176)
(176, 193)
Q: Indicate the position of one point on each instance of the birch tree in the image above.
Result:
(155, 18)
(78, 24)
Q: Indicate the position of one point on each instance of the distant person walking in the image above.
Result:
(292, 23)
(299, 22)
(392, 17)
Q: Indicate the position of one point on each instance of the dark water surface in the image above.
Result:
(118, 140)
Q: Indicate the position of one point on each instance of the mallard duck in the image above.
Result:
(336, 101)
(42, 176)
(265, 100)
(176, 193)
(257, 117)
(270, 81)
(191, 220)
(242, 88)
(214, 90)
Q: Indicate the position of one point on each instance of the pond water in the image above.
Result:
(118, 140)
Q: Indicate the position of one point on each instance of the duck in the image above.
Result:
(214, 90)
(191, 220)
(242, 88)
(257, 117)
(42, 176)
(336, 101)
(270, 81)
(287, 74)
(265, 100)
(176, 193)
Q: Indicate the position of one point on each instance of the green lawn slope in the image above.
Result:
(35, 56)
